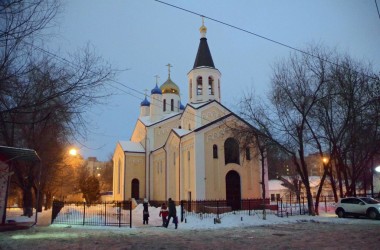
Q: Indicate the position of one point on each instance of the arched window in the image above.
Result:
(118, 176)
(172, 105)
(199, 85)
(247, 154)
(210, 85)
(191, 88)
(215, 151)
(164, 105)
(231, 151)
(219, 88)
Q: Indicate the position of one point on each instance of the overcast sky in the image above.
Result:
(144, 35)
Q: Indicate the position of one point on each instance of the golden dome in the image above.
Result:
(169, 87)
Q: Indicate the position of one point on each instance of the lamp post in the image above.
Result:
(376, 180)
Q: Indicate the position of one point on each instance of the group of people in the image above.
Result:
(165, 213)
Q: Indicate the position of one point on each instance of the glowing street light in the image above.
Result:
(377, 169)
(325, 160)
(73, 152)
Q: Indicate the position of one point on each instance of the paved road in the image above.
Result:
(304, 235)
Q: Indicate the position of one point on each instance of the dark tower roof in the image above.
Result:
(204, 57)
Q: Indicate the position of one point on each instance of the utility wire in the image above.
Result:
(377, 7)
(257, 35)
(75, 66)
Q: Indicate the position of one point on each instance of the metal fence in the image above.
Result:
(96, 214)
(219, 208)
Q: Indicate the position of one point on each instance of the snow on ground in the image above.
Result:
(195, 222)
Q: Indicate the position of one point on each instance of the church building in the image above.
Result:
(186, 152)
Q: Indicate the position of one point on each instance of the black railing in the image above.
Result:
(96, 214)
(212, 208)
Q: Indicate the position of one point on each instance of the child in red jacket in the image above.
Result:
(164, 212)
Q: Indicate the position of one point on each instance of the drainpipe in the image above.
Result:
(179, 170)
(147, 171)
(166, 174)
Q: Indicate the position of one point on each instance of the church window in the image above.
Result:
(189, 126)
(188, 155)
(219, 87)
(210, 85)
(172, 104)
(247, 154)
(164, 105)
(231, 151)
(215, 151)
(199, 85)
(191, 88)
(118, 177)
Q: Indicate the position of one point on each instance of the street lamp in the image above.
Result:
(377, 169)
(376, 180)
(73, 151)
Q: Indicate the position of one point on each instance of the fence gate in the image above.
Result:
(95, 214)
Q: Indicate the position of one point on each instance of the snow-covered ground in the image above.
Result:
(192, 221)
(236, 231)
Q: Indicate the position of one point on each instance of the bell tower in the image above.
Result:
(204, 78)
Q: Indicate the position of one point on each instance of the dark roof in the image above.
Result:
(156, 90)
(11, 153)
(204, 57)
(145, 102)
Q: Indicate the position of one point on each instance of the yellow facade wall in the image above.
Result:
(216, 169)
(134, 169)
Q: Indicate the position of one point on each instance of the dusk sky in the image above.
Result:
(144, 35)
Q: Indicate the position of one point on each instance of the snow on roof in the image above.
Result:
(197, 105)
(276, 185)
(314, 181)
(148, 122)
(129, 146)
(181, 132)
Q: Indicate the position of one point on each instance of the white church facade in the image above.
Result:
(186, 153)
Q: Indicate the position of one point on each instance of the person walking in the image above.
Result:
(145, 212)
(164, 213)
(172, 214)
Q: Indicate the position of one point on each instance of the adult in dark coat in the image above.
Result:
(172, 213)
(145, 213)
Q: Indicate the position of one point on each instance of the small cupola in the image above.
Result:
(156, 90)
(145, 102)
(169, 87)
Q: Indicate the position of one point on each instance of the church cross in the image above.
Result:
(169, 66)
(157, 77)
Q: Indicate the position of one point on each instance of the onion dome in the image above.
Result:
(145, 103)
(169, 87)
(181, 107)
(156, 90)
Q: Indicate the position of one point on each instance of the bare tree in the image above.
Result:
(43, 97)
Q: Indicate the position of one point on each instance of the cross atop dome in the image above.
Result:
(169, 66)
(203, 28)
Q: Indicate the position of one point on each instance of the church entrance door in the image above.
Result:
(233, 192)
(135, 189)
